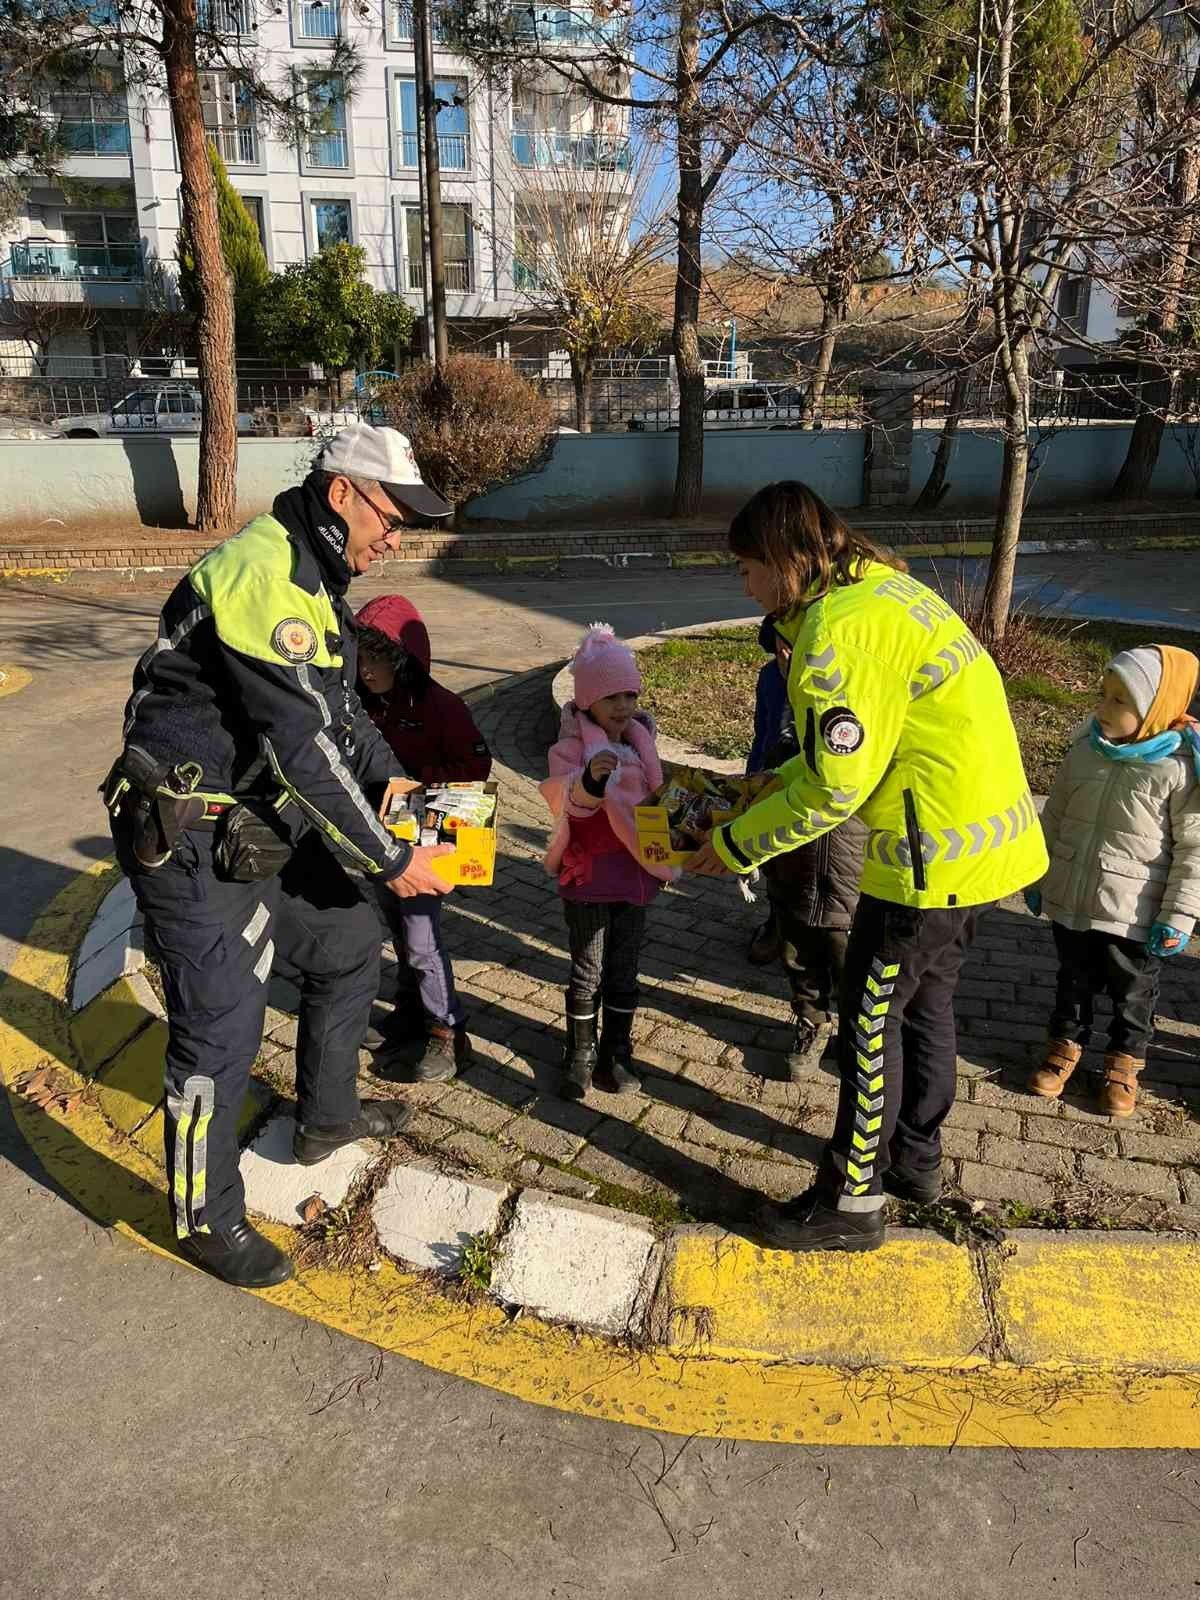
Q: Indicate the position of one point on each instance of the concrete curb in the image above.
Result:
(16, 563)
(1121, 1305)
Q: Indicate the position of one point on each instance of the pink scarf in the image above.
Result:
(639, 771)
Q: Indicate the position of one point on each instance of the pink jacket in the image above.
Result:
(593, 850)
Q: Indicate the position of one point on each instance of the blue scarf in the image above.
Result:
(1149, 751)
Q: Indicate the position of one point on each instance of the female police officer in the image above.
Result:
(250, 777)
(902, 719)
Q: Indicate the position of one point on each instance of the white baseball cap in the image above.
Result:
(361, 451)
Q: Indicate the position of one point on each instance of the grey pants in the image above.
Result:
(416, 929)
(605, 942)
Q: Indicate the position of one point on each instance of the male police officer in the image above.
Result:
(250, 778)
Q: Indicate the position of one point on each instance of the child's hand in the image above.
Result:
(1165, 940)
(602, 766)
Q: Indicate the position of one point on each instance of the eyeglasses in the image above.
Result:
(390, 525)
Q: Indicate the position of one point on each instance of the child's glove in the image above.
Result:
(1033, 899)
(1165, 940)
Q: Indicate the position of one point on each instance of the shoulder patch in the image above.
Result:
(841, 731)
(295, 640)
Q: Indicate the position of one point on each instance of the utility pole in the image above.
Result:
(427, 116)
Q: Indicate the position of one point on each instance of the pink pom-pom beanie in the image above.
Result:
(602, 665)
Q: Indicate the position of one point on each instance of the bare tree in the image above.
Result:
(162, 46)
(586, 240)
(36, 313)
(698, 76)
(1012, 134)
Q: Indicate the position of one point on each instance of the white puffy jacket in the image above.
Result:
(1124, 842)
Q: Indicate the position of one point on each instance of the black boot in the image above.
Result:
(809, 1042)
(238, 1255)
(615, 1074)
(404, 1024)
(377, 1119)
(579, 1062)
(812, 1221)
(918, 1188)
(447, 1051)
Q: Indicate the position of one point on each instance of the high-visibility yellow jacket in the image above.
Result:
(902, 719)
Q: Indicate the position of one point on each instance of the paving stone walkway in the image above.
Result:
(718, 1125)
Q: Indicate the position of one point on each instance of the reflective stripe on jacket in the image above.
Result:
(902, 719)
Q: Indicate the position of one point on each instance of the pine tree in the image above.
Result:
(245, 260)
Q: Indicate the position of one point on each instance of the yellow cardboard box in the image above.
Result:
(653, 821)
(473, 864)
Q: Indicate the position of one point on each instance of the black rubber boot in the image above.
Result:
(918, 1188)
(614, 1073)
(238, 1255)
(579, 1062)
(809, 1043)
(447, 1051)
(812, 1222)
(377, 1119)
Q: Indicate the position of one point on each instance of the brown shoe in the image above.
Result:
(1118, 1092)
(1050, 1079)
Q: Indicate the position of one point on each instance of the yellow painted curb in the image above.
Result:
(916, 1302)
(678, 1391)
(13, 680)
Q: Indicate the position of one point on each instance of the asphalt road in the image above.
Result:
(165, 1436)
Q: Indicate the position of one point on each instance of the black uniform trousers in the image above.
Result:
(215, 944)
(897, 1046)
(1092, 963)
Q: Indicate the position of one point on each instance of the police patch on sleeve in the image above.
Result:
(841, 731)
(295, 640)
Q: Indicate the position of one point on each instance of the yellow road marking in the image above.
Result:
(677, 1390)
(13, 679)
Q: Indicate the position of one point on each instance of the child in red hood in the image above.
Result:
(435, 739)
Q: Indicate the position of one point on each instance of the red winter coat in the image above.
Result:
(428, 727)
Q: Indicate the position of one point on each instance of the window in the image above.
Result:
(317, 19)
(328, 147)
(400, 23)
(453, 128)
(228, 110)
(104, 244)
(92, 122)
(229, 18)
(1072, 298)
(459, 247)
(178, 403)
(254, 207)
(332, 223)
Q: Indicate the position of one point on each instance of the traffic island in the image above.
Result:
(600, 1256)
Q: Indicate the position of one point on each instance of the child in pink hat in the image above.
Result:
(604, 765)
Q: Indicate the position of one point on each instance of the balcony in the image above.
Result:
(227, 18)
(318, 19)
(76, 263)
(458, 276)
(563, 25)
(88, 138)
(454, 151)
(400, 24)
(597, 152)
(329, 151)
(525, 276)
(238, 147)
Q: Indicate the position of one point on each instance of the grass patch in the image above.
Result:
(478, 1262)
(701, 689)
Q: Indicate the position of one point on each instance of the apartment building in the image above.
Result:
(356, 179)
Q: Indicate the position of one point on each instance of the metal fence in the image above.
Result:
(1065, 397)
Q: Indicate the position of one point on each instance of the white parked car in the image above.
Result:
(171, 408)
(733, 405)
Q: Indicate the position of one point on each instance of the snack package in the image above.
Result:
(458, 814)
(674, 820)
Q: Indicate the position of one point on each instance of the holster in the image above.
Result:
(155, 799)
